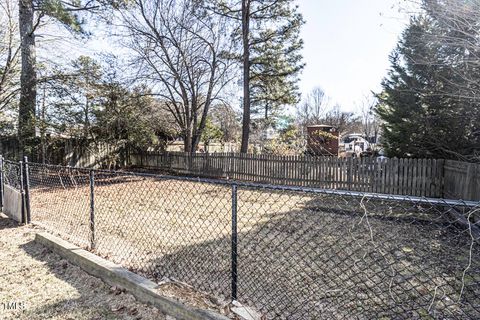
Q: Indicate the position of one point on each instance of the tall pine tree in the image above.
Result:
(429, 104)
(276, 64)
(270, 56)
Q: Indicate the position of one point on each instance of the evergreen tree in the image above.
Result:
(270, 54)
(276, 62)
(429, 102)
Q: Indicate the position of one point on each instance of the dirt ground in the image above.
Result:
(38, 284)
(300, 255)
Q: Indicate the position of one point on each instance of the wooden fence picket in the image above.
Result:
(419, 177)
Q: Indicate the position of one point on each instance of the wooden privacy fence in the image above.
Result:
(418, 177)
(462, 180)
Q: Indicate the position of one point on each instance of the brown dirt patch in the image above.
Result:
(301, 255)
(42, 285)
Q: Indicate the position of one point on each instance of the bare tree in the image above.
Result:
(313, 109)
(343, 121)
(460, 20)
(178, 49)
(317, 109)
(9, 55)
(225, 116)
(370, 120)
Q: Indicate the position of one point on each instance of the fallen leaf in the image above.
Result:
(407, 249)
(133, 311)
(117, 309)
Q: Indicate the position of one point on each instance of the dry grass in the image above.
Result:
(45, 286)
(301, 256)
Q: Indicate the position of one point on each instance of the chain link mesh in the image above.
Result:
(331, 256)
(60, 201)
(302, 253)
(152, 225)
(12, 174)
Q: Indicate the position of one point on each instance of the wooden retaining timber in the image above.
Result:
(142, 288)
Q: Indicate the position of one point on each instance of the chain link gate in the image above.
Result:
(14, 190)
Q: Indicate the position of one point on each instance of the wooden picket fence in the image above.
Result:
(417, 177)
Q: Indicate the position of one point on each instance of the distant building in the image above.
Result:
(354, 144)
(322, 140)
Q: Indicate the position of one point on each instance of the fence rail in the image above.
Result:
(417, 177)
(289, 252)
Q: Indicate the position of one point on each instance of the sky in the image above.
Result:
(346, 46)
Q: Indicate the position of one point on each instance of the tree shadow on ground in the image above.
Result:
(72, 294)
(7, 223)
(321, 262)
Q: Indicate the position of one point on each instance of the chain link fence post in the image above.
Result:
(22, 191)
(234, 242)
(92, 209)
(26, 187)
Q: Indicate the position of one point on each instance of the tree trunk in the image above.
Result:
(86, 125)
(246, 75)
(195, 142)
(28, 78)
(43, 128)
(187, 140)
(187, 146)
(201, 127)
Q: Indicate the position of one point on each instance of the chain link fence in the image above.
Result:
(287, 252)
(60, 200)
(12, 174)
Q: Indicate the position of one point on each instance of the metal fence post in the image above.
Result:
(22, 191)
(26, 186)
(92, 210)
(1, 182)
(234, 242)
